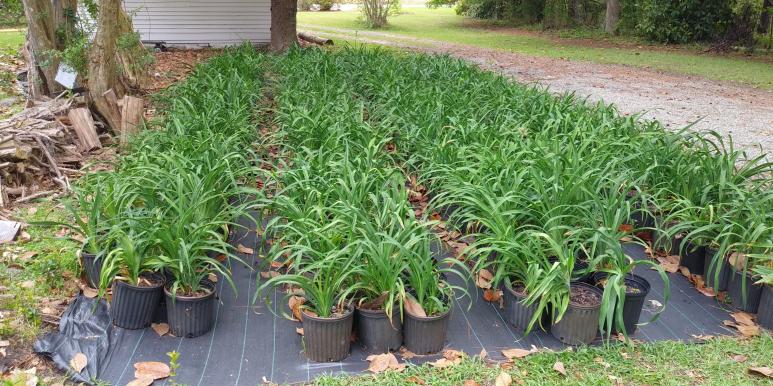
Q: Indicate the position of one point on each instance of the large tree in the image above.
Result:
(283, 24)
(612, 16)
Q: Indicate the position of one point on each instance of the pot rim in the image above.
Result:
(428, 318)
(372, 313)
(630, 277)
(349, 312)
(176, 297)
(592, 288)
(141, 288)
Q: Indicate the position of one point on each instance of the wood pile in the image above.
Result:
(44, 146)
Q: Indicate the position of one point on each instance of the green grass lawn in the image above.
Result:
(11, 39)
(445, 25)
(664, 363)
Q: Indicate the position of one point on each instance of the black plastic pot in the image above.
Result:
(132, 307)
(581, 273)
(738, 286)
(723, 277)
(765, 310)
(634, 300)
(92, 266)
(517, 313)
(328, 339)
(377, 333)
(425, 335)
(190, 316)
(580, 323)
(692, 256)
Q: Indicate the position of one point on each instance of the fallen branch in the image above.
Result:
(315, 39)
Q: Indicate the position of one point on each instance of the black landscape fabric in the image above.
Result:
(253, 343)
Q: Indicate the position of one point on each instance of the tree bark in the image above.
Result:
(41, 40)
(612, 16)
(64, 12)
(283, 24)
(103, 69)
(134, 75)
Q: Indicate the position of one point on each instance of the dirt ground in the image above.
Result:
(676, 100)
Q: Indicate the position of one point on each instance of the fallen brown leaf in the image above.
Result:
(405, 353)
(160, 328)
(685, 272)
(503, 379)
(413, 307)
(268, 274)
(212, 277)
(299, 330)
(739, 358)
(451, 354)
(559, 367)
(89, 292)
(743, 318)
(443, 363)
(483, 279)
(483, 353)
(492, 295)
(384, 362)
(78, 362)
(245, 250)
(151, 370)
(295, 303)
(517, 353)
(764, 371)
(140, 382)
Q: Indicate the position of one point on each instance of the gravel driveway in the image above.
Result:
(676, 100)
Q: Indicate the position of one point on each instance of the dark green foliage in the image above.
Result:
(682, 21)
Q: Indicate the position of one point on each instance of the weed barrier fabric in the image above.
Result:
(84, 328)
(253, 343)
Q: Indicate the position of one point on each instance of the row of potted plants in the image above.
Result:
(507, 162)
(155, 227)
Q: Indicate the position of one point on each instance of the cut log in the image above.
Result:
(113, 109)
(315, 39)
(84, 127)
(131, 117)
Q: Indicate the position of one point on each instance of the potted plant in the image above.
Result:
(184, 250)
(137, 290)
(379, 307)
(745, 287)
(327, 282)
(429, 297)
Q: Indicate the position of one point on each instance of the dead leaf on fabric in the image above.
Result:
(559, 367)
(739, 358)
(626, 228)
(706, 291)
(483, 279)
(151, 370)
(492, 295)
(212, 277)
(269, 274)
(503, 379)
(483, 353)
(517, 353)
(89, 292)
(704, 338)
(383, 362)
(245, 250)
(140, 382)
(413, 307)
(160, 328)
(78, 362)
(299, 330)
(764, 371)
(295, 303)
(406, 354)
(685, 272)
(748, 331)
(744, 318)
(669, 263)
(737, 260)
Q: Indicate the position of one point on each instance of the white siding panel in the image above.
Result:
(201, 22)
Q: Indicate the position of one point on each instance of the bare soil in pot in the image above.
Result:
(744, 294)
(132, 307)
(580, 323)
(191, 314)
(376, 331)
(92, 267)
(328, 339)
(425, 335)
(636, 290)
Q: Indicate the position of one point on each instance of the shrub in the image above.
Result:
(682, 21)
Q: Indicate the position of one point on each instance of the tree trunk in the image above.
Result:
(103, 69)
(577, 12)
(41, 41)
(64, 12)
(283, 30)
(612, 16)
(134, 75)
